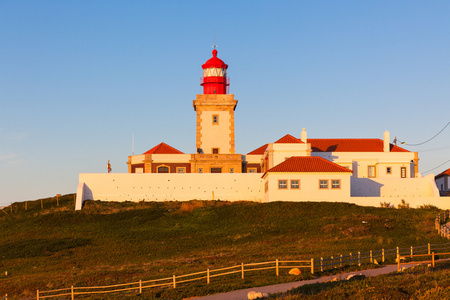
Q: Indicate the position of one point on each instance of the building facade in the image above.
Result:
(443, 182)
(289, 169)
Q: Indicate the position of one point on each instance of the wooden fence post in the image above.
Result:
(37, 294)
(276, 266)
(207, 276)
(382, 255)
(140, 286)
(412, 251)
(371, 257)
(57, 199)
(312, 265)
(398, 263)
(340, 260)
(398, 251)
(71, 292)
(359, 258)
(321, 264)
(432, 259)
(351, 259)
(332, 262)
(429, 248)
(242, 266)
(174, 282)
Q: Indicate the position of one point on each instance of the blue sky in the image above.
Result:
(78, 78)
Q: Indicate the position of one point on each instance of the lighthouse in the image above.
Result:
(215, 143)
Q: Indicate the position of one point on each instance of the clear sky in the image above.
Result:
(79, 78)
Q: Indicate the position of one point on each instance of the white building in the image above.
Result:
(443, 182)
(362, 171)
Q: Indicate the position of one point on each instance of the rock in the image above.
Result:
(295, 271)
(255, 295)
(334, 279)
(404, 268)
(355, 276)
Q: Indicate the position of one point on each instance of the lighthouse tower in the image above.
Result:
(215, 144)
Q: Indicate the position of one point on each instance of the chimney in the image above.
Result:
(303, 136)
(386, 143)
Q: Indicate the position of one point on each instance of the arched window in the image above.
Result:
(163, 169)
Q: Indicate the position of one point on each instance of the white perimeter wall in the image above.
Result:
(394, 187)
(249, 187)
(169, 187)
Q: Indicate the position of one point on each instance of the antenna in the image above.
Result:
(214, 46)
(132, 144)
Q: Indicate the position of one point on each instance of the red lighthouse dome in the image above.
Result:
(215, 80)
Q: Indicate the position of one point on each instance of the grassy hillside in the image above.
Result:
(109, 243)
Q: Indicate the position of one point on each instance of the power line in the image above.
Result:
(429, 139)
(437, 167)
(440, 148)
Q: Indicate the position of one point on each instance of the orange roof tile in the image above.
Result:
(446, 172)
(288, 139)
(308, 164)
(350, 145)
(337, 145)
(163, 149)
(259, 151)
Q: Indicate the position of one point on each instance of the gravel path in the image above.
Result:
(284, 287)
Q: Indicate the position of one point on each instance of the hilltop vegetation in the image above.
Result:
(108, 243)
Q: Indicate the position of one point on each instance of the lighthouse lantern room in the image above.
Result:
(215, 80)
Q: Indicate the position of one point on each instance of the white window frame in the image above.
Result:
(281, 185)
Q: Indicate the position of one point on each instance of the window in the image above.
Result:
(403, 172)
(266, 186)
(251, 170)
(163, 169)
(323, 184)
(371, 172)
(295, 184)
(231, 170)
(215, 150)
(200, 170)
(335, 184)
(215, 119)
(216, 170)
(282, 184)
(388, 170)
(181, 170)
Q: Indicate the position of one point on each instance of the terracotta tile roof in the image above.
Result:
(288, 139)
(350, 145)
(446, 172)
(259, 151)
(163, 149)
(308, 164)
(337, 145)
